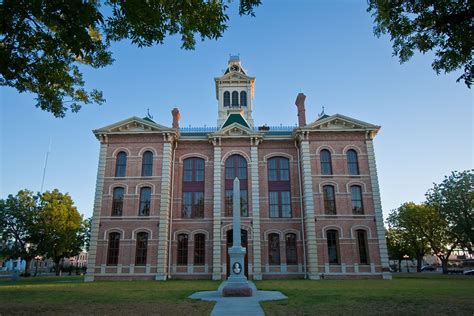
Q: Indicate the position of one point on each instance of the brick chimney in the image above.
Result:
(301, 110)
(176, 117)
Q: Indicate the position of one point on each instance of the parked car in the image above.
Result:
(469, 272)
(428, 268)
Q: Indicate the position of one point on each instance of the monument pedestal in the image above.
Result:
(237, 284)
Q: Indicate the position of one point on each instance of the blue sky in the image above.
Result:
(325, 49)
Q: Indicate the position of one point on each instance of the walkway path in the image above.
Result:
(238, 305)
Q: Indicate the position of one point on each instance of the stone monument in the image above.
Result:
(237, 283)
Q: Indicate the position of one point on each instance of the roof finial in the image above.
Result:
(322, 113)
(148, 114)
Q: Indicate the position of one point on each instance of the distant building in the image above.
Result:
(310, 195)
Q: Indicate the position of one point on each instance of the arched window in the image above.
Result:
(363, 246)
(236, 166)
(329, 200)
(141, 250)
(147, 164)
(326, 163)
(117, 201)
(145, 200)
(182, 249)
(356, 195)
(333, 246)
(199, 249)
(121, 164)
(193, 188)
(226, 98)
(279, 187)
(273, 249)
(352, 162)
(291, 255)
(235, 98)
(113, 251)
(243, 98)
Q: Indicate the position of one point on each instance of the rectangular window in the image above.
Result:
(363, 248)
(182, 249)
(198, 209)
(274, 249)
(199, 169)
(280, 204)
(187, 204)
(188, 170)
(329, 200)
(291, 255)
(117, 201)
(357, 206)
(243, 203)
(285, 204)
(274, 205)
(284, 170)
(199, 249)
(333, 246)
(113, 251)
(141, 249)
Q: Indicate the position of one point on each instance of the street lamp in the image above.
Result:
(406, 261)
(37, 258)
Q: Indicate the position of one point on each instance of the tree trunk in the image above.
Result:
(27, 266)
(419, 261)
(399, 265)
(57, 268)
(444, 264)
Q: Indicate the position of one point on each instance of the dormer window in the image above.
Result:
(235, 98)
(243, 98)
(226, 98)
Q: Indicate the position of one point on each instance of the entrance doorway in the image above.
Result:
(230, 240)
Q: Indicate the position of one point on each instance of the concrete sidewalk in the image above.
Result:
(238, 305)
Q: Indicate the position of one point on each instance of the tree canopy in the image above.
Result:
(442, 26)
(44, 43)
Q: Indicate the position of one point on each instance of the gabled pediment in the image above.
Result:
(235, 130)
(132, 125)
(234, 76)
(340, 122)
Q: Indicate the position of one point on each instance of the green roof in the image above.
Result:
(149, 119)
(235, 118)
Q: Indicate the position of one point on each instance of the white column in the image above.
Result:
(216, 225)
(310, 227)
(163, 231)
(257, 250)
(99, 187)
(378, 210)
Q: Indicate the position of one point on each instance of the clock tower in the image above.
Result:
(234, 92)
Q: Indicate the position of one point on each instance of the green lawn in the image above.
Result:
(412, 294)
(69, 295)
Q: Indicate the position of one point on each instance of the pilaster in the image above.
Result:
(99, 187)
(163, 230)
(308, 199)
(257, 251)
(216, 224)
(378, 207)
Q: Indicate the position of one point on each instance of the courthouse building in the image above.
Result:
(310, 200)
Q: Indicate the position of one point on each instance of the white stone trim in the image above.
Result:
(377, 206)
(356, 148)
(142, 229)
(329, 227)
(331, 150)
(236, 152)
(356, 182)
(148, 148)
(292, 231)
(308, 199)
(254, 181)
(114, 230)
(193, 155)
(363, 227)
(328, 182)
(200, 231)
(119, 149)
(145, 184)
(163, 230)
(278, 154)
(273, 231)
(116, 185)
(216, 224)
(181, 231)
(99, 187)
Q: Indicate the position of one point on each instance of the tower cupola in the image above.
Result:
(234, 91)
